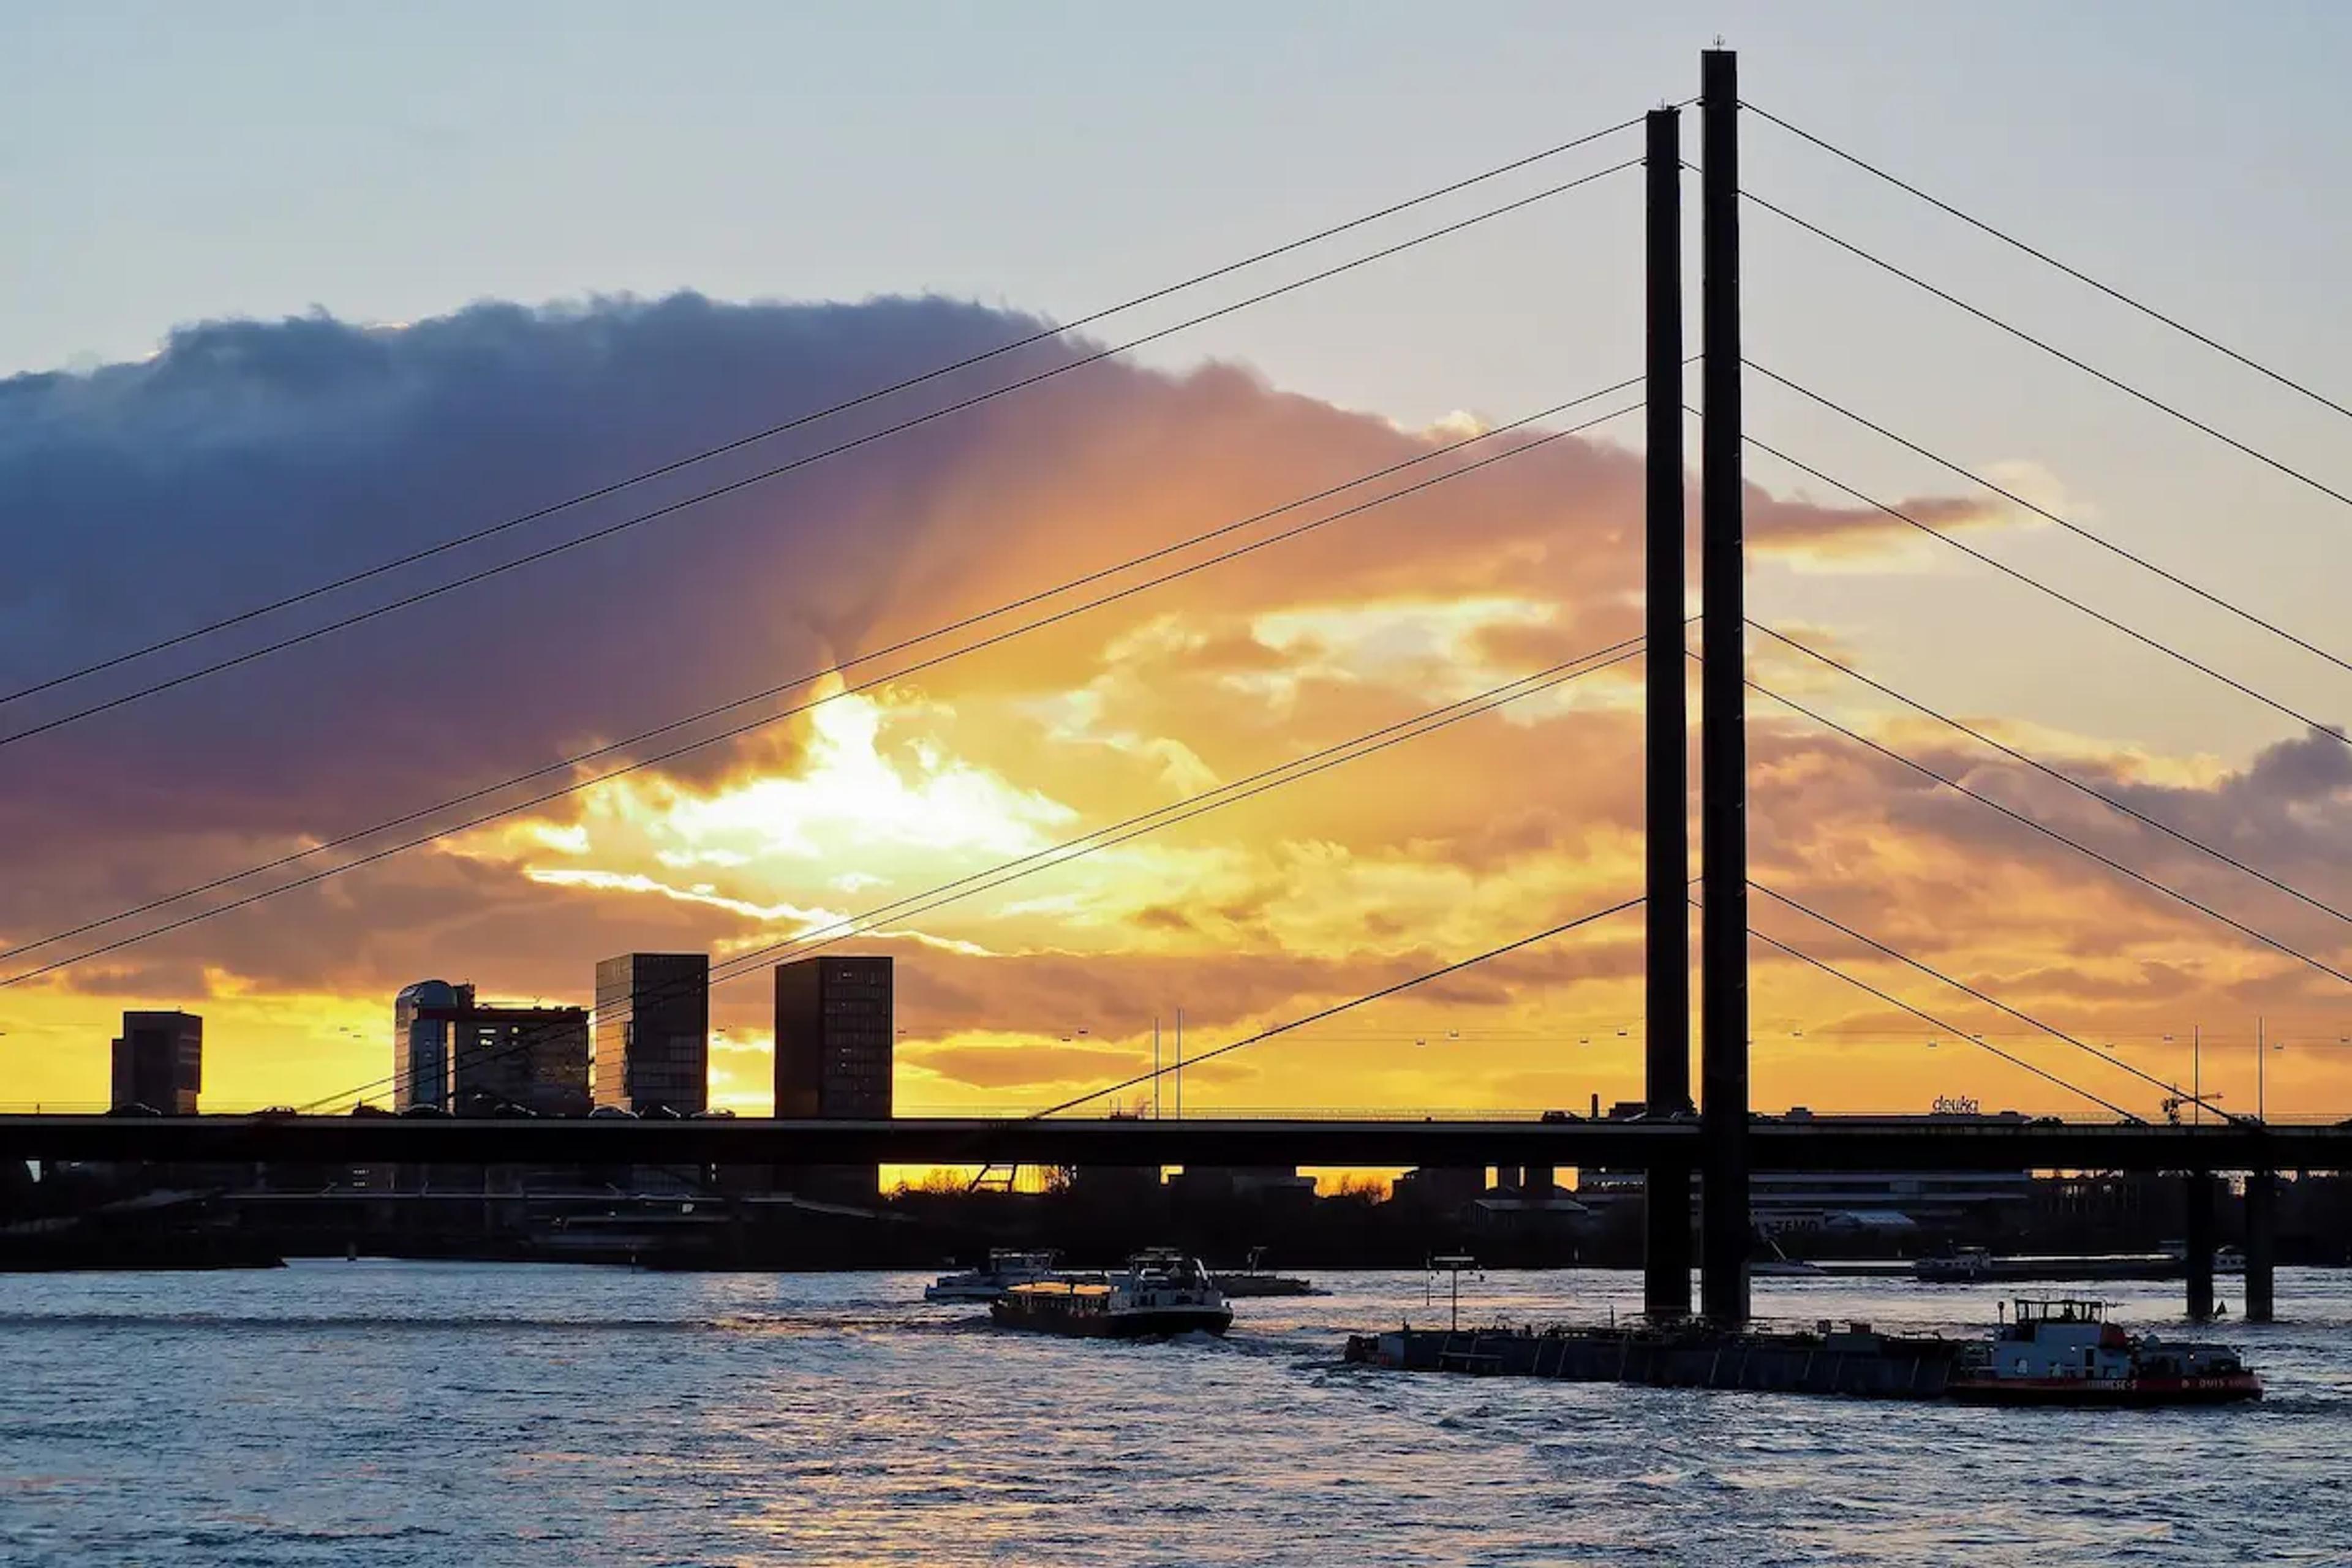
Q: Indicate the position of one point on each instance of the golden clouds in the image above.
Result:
(1351, 878)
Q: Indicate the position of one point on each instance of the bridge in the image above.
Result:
(1712, 1138)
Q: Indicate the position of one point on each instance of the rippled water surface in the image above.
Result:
(380, 1414)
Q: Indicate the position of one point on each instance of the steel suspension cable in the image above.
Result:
(2332, 732)
(1989, 1001)
(1315, 1017)
(2053, 350)
(670, 727)
(2051, 832)
(1894, 1000)
(794, 465)
(2079, 276)
(2248, 616)
(878, 394)
(2069, 780)
(1199, 805)
(936, 659)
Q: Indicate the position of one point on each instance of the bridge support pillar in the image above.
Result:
(1666, 1240)
(2261, 1245)
(2197, 1214)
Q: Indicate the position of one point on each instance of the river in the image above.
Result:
(375, 1412)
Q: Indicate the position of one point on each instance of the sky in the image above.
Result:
(294, 289)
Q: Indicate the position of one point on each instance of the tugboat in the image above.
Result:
(1005, 1270)
(1160, 1293)
(2064, 1350)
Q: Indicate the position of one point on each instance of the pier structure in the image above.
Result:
(2198, 1220)
(2261, 1245)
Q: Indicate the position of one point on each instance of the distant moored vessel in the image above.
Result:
(1005, 1270)
(1254, 1279)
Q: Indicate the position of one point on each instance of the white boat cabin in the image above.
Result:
(2059, 1337)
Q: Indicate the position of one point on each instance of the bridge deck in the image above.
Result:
(1821, 1143)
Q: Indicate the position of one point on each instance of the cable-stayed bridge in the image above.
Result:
(1710, 1136)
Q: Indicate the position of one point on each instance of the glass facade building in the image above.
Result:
(652, 1032)
(834, 1032)
(420, 1042)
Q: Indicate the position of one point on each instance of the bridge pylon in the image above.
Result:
(1723, 698)
(1666, 1250)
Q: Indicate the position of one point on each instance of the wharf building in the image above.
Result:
(1440, 1189)
(836, 1034)
(1270, 1186)
(652, 1033)
(159, 1062)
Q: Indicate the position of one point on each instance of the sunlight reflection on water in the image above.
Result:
(381, 1414)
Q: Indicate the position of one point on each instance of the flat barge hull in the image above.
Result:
(2106, 1393)
(1875, 1367)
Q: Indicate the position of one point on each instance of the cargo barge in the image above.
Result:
(2052, 1351)
(1854, 1360)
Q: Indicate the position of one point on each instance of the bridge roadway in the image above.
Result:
(1819, 1144)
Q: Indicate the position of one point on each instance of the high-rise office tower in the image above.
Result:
(420, 1042)
(652, 1032)
(835, 1036)
(159, 1062)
